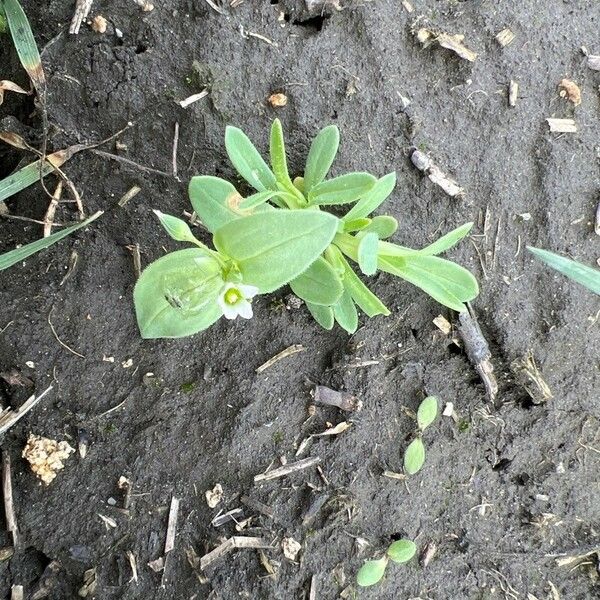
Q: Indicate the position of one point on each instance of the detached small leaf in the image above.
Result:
(427, 412)
(371, 572)
(414, 457)
(177, 228)
(402, 551)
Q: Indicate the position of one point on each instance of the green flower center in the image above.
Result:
(232, 296)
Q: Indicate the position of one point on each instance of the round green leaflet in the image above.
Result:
(414, 457)
(427, 412)
(402, 550)
(371, 572)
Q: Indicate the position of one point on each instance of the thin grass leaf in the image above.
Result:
(8, 259)
(25, 44)
(29, 174)
(586, 276)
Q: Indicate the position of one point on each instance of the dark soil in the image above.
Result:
(501, 491)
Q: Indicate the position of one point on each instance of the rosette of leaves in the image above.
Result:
(372, 571)
(283, 234)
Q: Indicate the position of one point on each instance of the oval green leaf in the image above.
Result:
(319, 284)
(376, 195)
(323, 315)
(273, 248)
(414, 457)
(367, 253)
(321, 156)
(427, 412)
(248, 161)
(341, 190)
(402, 551)
(176, 295)
(371, 572)
(345, 313)
(383, 225)
(177, 228)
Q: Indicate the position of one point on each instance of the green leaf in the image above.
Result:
(367, 253)
(256, 200)
(402, 551)
(319, 284)
(376, 195)
(247, 160)
(177, 228)
(217, 202)
(321, 156)
(447, 241)
(384, 226)
(323, 315)
(273, 248)
(427, 412)
(12, 257)
(371, 572)
(342, 189)
(445, 281)
(176, 295)
(345, 313)
(366, 300)
(277, 152)
(414, 457)
(355, 224)
(579, 272)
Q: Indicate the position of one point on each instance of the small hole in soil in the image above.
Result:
(273, 2)
(454, 350)
(141, 48)
(502, 464)
(522, 479)
(526, 402)
(312, 25)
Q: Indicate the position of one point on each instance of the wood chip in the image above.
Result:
(172, 525)
(214, 496)
(291, 548)
(513, 93)
(505, 37)
(235, 542)
(157, 565)
(593, 62)
(570, 90)
(16, 592)
(435, 174)
(278, 100)
(443, 324)
(193, 98)
(89, 584)
(562, 125)
(288, 469)
(294, 349)
(9, 417)
(427, 37)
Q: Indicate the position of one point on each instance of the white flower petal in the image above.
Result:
(244, 309)
(230, 312)
(248, 291)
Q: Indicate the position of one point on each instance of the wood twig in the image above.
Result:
(288, 469)
(237, 541)
(82, 10)
(294, 349)
(172, 525)
(9, 417)
(9, 508)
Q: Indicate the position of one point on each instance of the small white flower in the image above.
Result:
(234, 300)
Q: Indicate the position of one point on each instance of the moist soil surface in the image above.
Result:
(504, 488)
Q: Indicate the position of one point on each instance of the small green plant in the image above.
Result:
(282, 234)
(586, 276)
(372, 571)
(414, 456)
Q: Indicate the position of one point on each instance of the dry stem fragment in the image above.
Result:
(231, 543)
(193, 98)
(294, 349)
(505, 37)
(82, 10)
(257, 506)
(172, 525)
(287, 469)
(133, 564)
(531, 379)
(9, 417)
(9, 508)
(443, 324)
(342, 400)
(435, 174)
(562, 125)
(571, 91)
(513, 93)
(46, 456)
(597, 220)
(427, 37)
(89, 584)
(278, 100)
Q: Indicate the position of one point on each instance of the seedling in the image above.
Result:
(414, 456)
(372, 571)
(586, 276)
(282, 234)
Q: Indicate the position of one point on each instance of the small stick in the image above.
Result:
(82, 10)
(175, 145)
(127, 196)
(9, 508)
(59, 340)
(312, 594)
(513, 93)
(294, 349)
(130, 163)
(172, 525)
(257, 506)
(49, 217)
(9, 417)
(133, 564)
(193, 98)
(232, 515)
(287, 469)
(237, 541)
(137, 259)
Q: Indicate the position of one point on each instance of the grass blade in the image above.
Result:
(8, 259)
(25, 44)
(586, 276)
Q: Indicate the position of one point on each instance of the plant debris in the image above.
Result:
(214, 496)
(341, 400)
(46, 456)
(478, 351)
(89, 584)
(428, 36)
(562, 125)
(505, 37)
(529, 377)
(9, 417)
(436, 175)
(593, 62)
(287, 469)
(513, 93)
(291, 548)
(278, 100)
(99, 24)
(571, 91)
(443, 324)
(9, 508)
(235, 542)
(293, 349)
